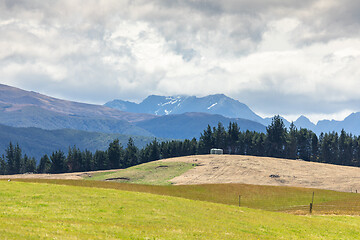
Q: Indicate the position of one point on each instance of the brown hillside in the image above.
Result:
(268, 171)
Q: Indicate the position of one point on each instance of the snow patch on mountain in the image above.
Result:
(167, 112)
(212, 106)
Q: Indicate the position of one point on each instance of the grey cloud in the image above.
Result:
(73, 49)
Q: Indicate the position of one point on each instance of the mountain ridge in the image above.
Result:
(20, 108)
(231, 108)
(165, 105)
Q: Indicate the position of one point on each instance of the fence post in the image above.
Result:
(239, 200)
(312, 203)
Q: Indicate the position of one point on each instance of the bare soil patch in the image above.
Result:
(118, 178)
(267, 171)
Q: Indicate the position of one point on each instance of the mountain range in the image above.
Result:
(227, 107)
(41, 123)
(212, 104)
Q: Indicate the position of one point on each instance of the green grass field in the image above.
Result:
(51, 211)
(154, 173)
(271, 198)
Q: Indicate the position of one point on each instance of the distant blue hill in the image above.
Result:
(36, 142)
(189, 125)
(19, 108)
(350, 124)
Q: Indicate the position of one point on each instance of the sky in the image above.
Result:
(279, 57)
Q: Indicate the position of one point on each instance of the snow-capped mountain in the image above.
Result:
(165, 105)
(230, 108)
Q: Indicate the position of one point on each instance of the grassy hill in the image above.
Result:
(154, 173)
(33, 211)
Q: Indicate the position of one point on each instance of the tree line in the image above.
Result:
(277, 141)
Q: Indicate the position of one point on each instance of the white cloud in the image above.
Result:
(279, 57)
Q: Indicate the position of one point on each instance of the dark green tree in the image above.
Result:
(10, 159)
(3, 170)
(291, 142)
(101, 160)
(131, 157)
(18, 160)
(206, 141)
(154, 151)
(233, 137)
(58, 162)
(87, 157)
(304, 144)
(276, 137)
(220, 137)
(115, 154)
(30, 164)
(44, 165)
(314, 148)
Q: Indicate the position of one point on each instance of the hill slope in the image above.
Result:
(268, 171)
(221, 169)
(14, 99)
(19, 108)
(36, 142)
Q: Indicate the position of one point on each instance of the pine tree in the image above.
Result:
(18, 160)
(24, 161)
(115, 154)
(154, 151)
(233, 137)
(44, 165)
(30, 165)
(276, 137)
(314, 148)
(220, 137)
(206, 141)
(291, 142)
(58, 162)
(304, 144)
(3, 170)
(10, 159)
(87, 157)
(131, 157)
(101, 160)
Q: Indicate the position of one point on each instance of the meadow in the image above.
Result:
(141, 203)
(293, 200)
(53, 211)
(154, 173)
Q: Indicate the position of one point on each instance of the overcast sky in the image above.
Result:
(285, 57)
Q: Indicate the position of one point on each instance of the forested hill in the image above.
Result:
(36, 142)
(343, 149)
